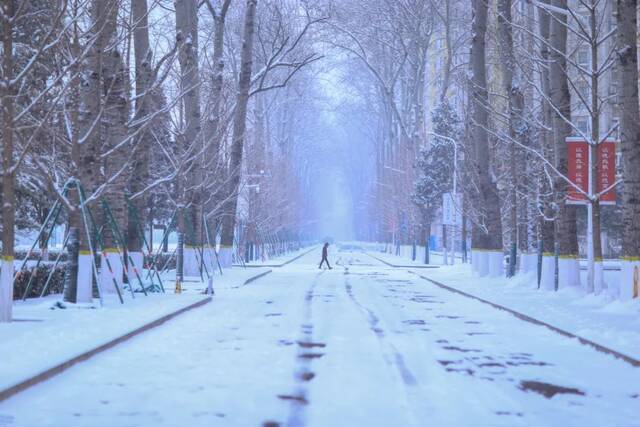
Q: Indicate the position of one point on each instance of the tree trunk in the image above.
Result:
(565, 224)
(89, 133)
(143, 57)
(595, 279)
(545, 224)
(486, 239)
(70, 291)
(515, 106)
(239, 128)
(82, 155)
(213, 160)
(8, 174)
(113, 105)
(115, 117)
(527, 163)
(446, 74)
(629, 145)
(190, 205)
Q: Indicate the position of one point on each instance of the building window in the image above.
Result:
(581, 126)
(584, 89)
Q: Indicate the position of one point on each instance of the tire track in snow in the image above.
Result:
(390, 352)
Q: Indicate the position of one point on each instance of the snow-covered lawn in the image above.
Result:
(45, 334)
(362, 344)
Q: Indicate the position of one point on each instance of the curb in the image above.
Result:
(254, 278)
(584, 341)
(61, 367)
(401, 266)
(277, 265)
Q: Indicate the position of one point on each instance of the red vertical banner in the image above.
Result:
(578, 170)
(607, 171)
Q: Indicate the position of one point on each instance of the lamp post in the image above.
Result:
(401, 231)
(453, 194)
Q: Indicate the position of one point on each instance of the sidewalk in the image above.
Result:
(599, 318)
(281, 260)
(45, 335)
(435, 258)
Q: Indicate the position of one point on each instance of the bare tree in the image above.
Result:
(189, 138)
(144, 105)
(514, 113)
(18, 102)
(239, 129)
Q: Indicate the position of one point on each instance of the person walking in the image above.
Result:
(325, 251)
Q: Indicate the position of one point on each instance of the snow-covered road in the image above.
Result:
(362, 344)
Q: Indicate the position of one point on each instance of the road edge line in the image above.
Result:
(426, 266)
(256, 277)
(278, 265)
(61, 367)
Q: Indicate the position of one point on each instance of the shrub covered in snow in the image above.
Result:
(41, 274)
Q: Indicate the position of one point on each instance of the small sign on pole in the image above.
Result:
(451, 212)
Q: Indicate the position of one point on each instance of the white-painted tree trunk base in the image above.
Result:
(599, 284)
(6, 290)
(568, 273)
(548, 274)
(116, 272)
(483, 263)
(191, 266)
(137, 261)
(474, 261)
(533, 263)
(528, 263)
(85, 278)
(495, 260)
(523, 266)
(629, 277)
(226, 256)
